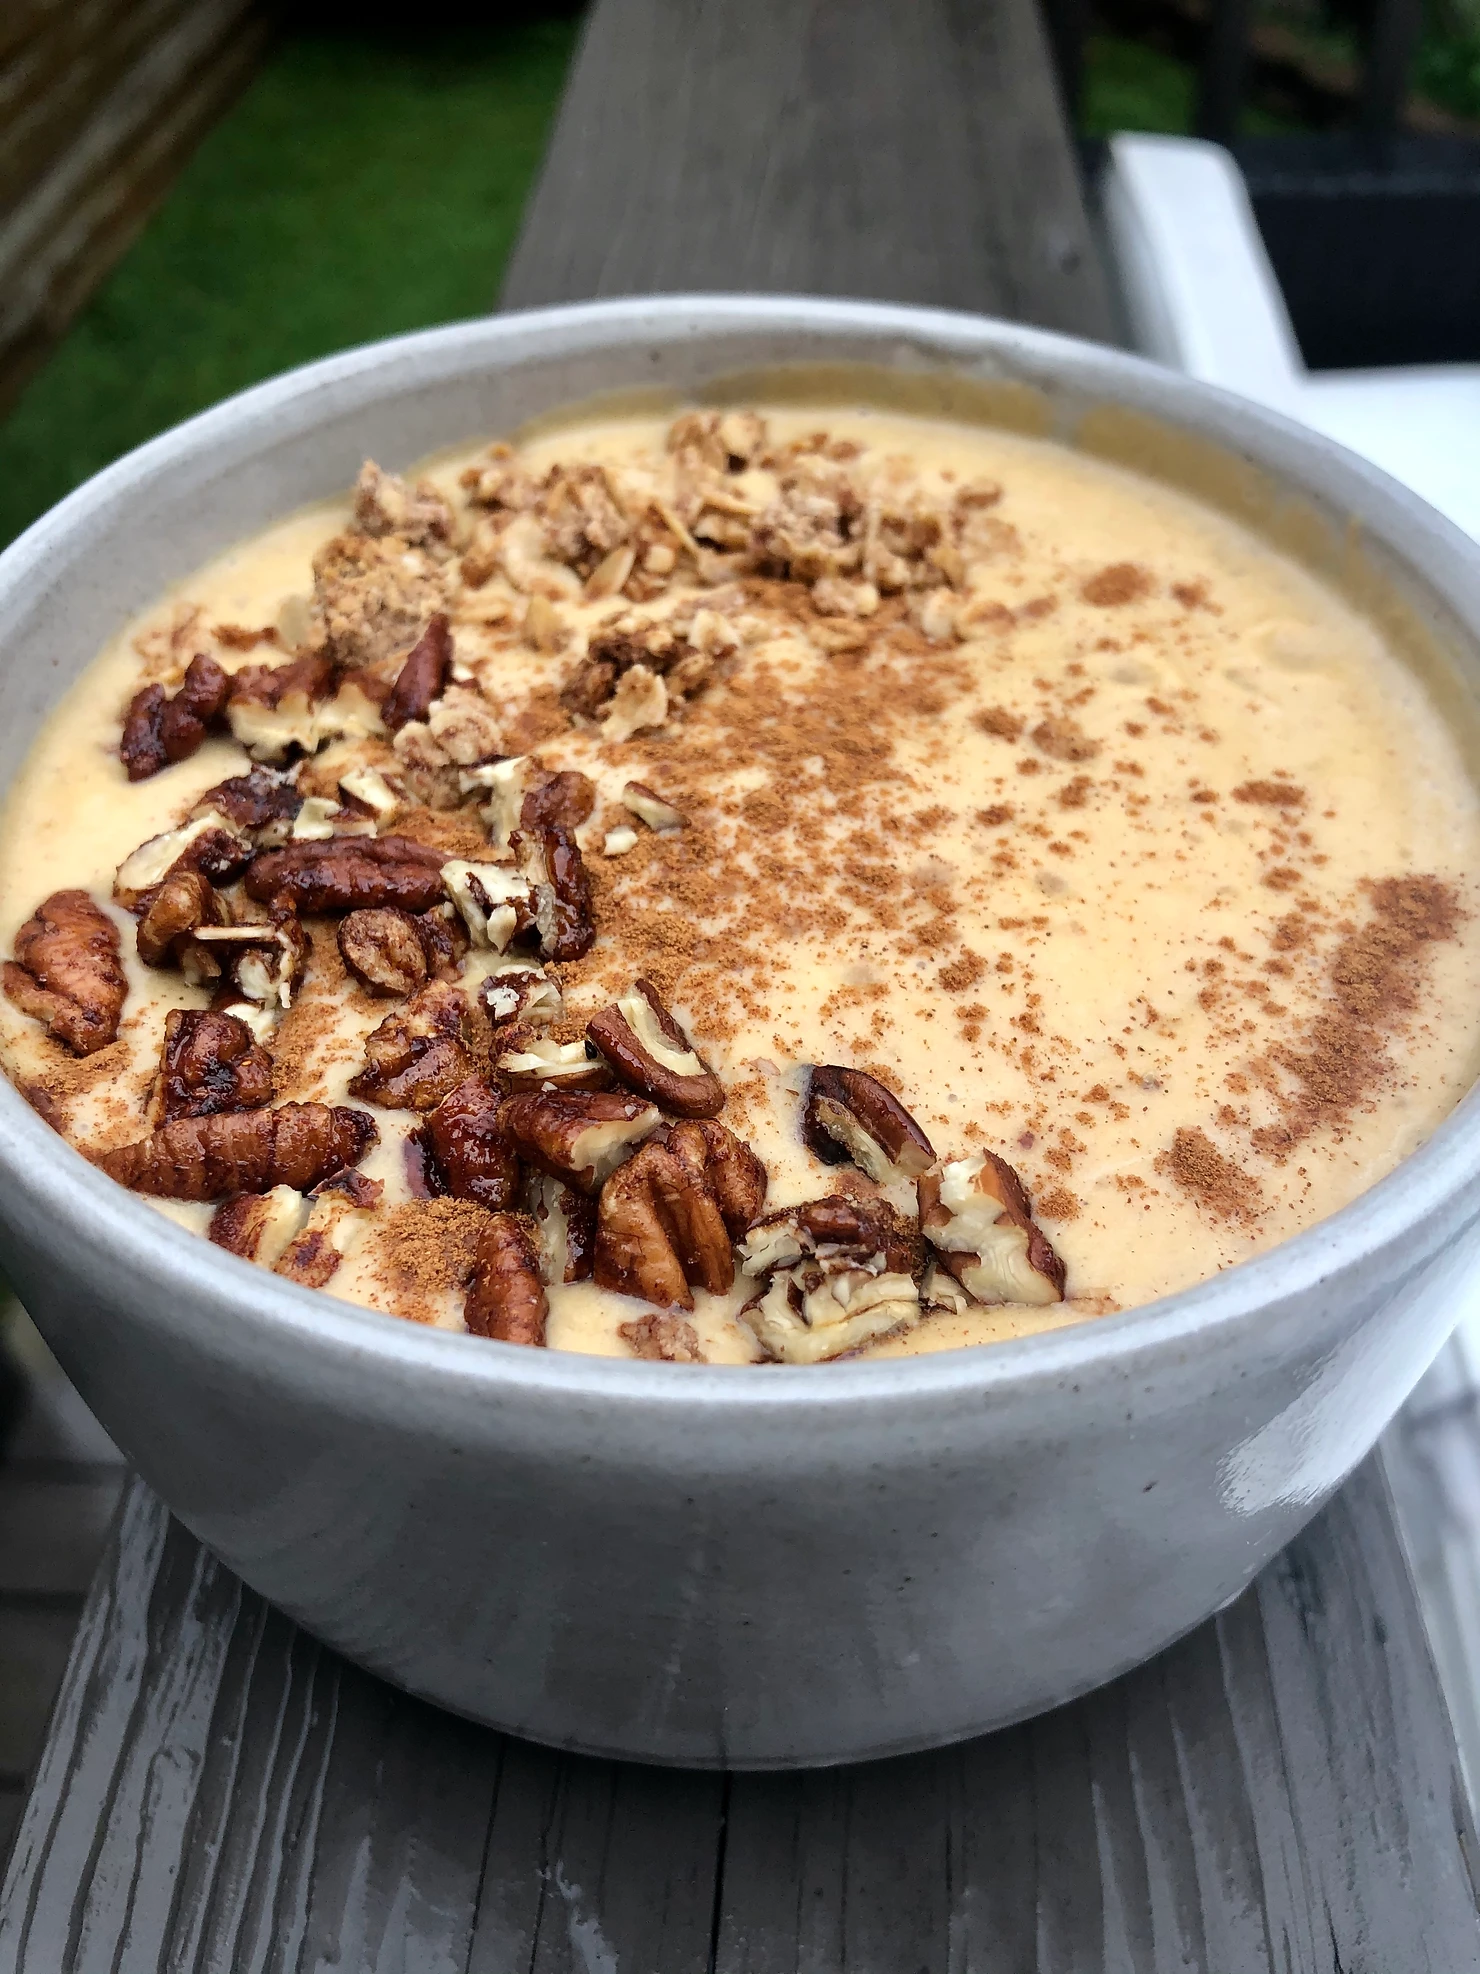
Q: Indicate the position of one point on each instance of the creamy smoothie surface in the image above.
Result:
(750, 888)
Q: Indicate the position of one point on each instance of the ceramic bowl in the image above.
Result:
(696, 1564)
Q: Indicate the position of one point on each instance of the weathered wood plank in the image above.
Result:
(1277, 1792)
(910, 153)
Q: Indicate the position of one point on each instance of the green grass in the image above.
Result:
(362, 185)
(1128, 86)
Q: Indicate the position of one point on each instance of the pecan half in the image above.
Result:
(651, 1054)
(730, 1168)
(506, 1299)
(579, 1137)
(423, 677)
(420, 1053)
(210, 1063)
(566, 1224)
(258, 1226)
(529, 1060)
(649, 807)
(850, 1115)
(182, 903)
(247, 1151)
(260, 805)
(978, 1217)
(562, 891)
(345, 873)
(466, 1151)
(67, 972)
(663, 1338)
(158, 730)
(208, 843)
(659, 1231)
(394, 952)
(565, 799)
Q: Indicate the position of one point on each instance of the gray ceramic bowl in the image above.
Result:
(701, 1565)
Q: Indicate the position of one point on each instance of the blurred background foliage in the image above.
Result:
(370, 180)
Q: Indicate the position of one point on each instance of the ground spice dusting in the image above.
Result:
(1220, 1187)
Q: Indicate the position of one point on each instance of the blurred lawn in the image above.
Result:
(363, 185)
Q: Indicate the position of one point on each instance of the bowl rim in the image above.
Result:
(189, 1275)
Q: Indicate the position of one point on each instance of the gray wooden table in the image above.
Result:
(1280, 1791)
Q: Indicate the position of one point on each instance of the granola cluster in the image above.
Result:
(405, 815)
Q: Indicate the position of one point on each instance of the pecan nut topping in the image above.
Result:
(660, 1233)
(565, 800)
(208, 843)
(506, 1298)
(729, 1167)
(649, 807)
(335, 1225)
(580, 1137)
(977, 1216)
(850, 1115)
(273, 708)
(210, 1063)
(521, 993)
(67, 972)
(184, 902)
(528, 1060)
(663, 1338)
(495, 900)
(258, 1226)
(421, 1052)
(466, 1152)
(345, 873)
(245, 1151)
(391, 951)
(261, 805)
(423, 677)
(561, 889)
(651, 1054)
(158, 730)
(566, 1224)
(840, 1273)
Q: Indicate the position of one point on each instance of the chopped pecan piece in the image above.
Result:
(506, 1299)
(508, 781)
(207, 843)
(423, 677)
(565, 799)
(978, 1217)
(419, 1053)
(158, 730)
(649, 807)
(67, 972)
(276, 707)
(566, 1223)
(348, 872)
(561, 889)
(850, 1115)
(659, 1231)
(258, 1226)
(651, 1054)
(181, 904)
(663, 1338)
(210, 1063)
(246, 1151)
(496, 900)
(842, 1273)
(580, 1137)
(265, 960)
(383, 949)
(467, 1153)
(521, 993)
(260, 805)
(336, 1223)
(531, 1061)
